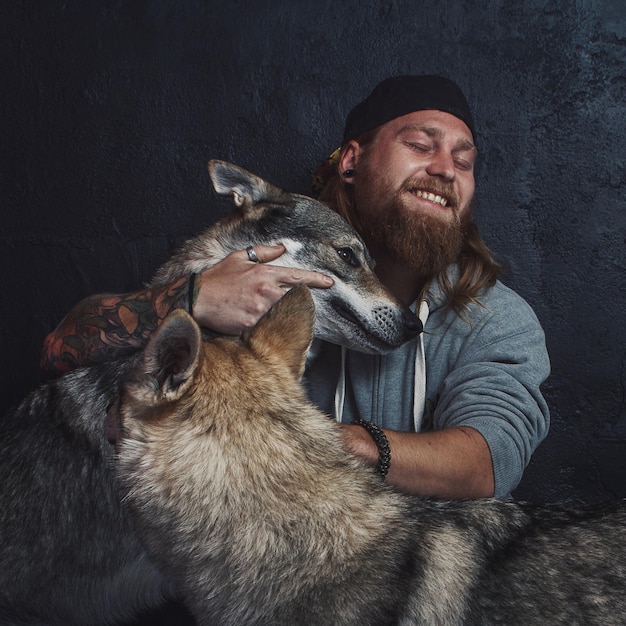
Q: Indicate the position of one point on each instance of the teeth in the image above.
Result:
(432, 197)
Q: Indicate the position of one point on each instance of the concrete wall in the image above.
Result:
(110, 110)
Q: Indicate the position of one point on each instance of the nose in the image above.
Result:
(412, 323)
(441, 165)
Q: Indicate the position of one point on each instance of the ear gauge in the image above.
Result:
(348, 173)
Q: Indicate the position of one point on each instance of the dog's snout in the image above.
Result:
(412, 323)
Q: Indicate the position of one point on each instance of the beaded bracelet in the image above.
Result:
(382, 443)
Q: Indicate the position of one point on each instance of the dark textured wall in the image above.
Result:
(110, 110)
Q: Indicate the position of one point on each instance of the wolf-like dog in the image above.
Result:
(356, 312)
(246, 497)
(68, 553)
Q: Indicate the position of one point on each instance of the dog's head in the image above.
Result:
(357, 311)
(182, 376)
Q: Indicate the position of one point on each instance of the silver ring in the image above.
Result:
(252, 254)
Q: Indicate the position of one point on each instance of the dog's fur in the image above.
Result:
(356, 312)
(68, 553)
(246, 497)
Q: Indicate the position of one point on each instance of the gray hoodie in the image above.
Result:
(483, 371)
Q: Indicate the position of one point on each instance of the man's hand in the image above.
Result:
(236, 292)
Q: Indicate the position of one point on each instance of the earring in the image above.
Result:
(348, 173)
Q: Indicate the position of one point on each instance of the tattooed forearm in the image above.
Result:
(106, 326)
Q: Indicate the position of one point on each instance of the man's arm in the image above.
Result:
(229, 297)
(452, 463)
(490, 413)
(105, 326)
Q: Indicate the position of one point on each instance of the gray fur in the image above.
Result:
(356, 312)
(68, 552)
(245, 495)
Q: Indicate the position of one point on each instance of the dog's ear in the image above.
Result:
(286, 330)
(247, 189)
(168, 362)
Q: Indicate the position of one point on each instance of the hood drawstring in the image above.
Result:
(419, 381)
(340, 390)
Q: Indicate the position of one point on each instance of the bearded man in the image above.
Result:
(456, 413)
(459, 409)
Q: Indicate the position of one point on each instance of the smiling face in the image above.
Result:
(413, 188)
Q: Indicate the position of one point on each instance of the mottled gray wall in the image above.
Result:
(110, 110)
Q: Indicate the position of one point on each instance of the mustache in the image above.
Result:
(434, 186)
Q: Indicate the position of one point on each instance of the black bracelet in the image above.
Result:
(191, 285)
(382, 443)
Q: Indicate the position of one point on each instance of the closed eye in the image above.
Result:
(348, 255)
(464, 165)
(418, 147)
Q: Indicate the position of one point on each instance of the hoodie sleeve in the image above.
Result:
(493, 372)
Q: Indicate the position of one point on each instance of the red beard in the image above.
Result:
(421, 241)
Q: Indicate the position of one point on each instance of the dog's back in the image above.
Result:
(68, 551)
(504, 562)
(559, 567)
(244, 493)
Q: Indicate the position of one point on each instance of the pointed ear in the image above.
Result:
(169, 361)
(246, 188)
(286, 330)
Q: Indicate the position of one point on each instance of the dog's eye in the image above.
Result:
(347, 254)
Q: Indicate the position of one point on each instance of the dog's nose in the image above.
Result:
(412, 323)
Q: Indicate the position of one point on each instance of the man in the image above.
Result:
(404, 178)
(455, 414)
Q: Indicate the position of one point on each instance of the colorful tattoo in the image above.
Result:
(103, 327)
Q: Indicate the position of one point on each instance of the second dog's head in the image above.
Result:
(181, 375)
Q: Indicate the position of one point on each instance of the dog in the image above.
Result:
(356, 312)
(245, 496)
(68, 550)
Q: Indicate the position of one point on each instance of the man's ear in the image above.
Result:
(349, 156)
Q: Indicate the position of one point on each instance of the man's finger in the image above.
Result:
(304, 277)
(265, 254)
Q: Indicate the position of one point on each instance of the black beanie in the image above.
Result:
(400, 95)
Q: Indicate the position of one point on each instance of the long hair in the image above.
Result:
(478, 268)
